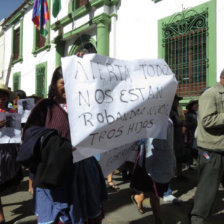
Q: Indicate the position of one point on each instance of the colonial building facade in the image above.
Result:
(188, 34)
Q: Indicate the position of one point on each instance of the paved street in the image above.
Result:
(119, 208)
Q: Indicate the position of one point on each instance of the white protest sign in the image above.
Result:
(113, 159)
(24, 108)
(114, 102)
(11, 132)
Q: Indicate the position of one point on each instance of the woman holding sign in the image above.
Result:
(86, 188)
(10, 172)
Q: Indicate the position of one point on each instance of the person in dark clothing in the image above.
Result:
(153, 170)
(10, 171)
(191, 125)
(87, 188)
(20, 94)
(178, 136)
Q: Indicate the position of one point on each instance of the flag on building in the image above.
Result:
(40, 15)
(56, 7)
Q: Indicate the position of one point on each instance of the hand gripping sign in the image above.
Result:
(114, 102)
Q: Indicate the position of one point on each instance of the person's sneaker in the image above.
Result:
(171, 198)
(176, 201)
(168, 198)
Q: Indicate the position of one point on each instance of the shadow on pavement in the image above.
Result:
(18, 203)
(171, 213)
(23, 211)
(119, 205)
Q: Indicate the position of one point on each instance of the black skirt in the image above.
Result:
(142, 182)
(10, 170)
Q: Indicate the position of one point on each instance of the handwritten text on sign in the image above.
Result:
(114, 102)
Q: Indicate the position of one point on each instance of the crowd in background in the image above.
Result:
(80, 188)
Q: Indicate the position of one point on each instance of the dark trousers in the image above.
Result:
(211, 169)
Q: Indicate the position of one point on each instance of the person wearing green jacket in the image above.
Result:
(210, 140)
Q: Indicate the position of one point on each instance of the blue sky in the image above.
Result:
(8, 6)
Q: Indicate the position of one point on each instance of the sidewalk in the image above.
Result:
(119, 209)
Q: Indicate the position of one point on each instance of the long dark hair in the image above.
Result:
(53, 86)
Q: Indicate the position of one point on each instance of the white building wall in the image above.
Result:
(63, 12)
(7, 55)
(28, 66)
(133, 34)
(137, 26)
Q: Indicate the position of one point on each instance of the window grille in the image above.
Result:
(16, 44)
(185, 51)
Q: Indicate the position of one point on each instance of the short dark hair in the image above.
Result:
(53, 88)
(20, 93)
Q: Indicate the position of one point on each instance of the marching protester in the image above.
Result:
(153, 170)
(126, 170)
(178, 145)
(20, 94)
(210, 141)
(36, 99)
(178, 136)
(10, 171)
(67, 193)
(111, 183)
(191, 125)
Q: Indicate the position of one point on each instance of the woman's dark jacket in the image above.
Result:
(47, 138)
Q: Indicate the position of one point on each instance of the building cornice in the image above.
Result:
(102, 18)
(93, 4)
(18, 13)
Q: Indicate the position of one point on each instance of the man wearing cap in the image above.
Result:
(210, 141)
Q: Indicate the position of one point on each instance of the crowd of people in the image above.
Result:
(67, 192)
